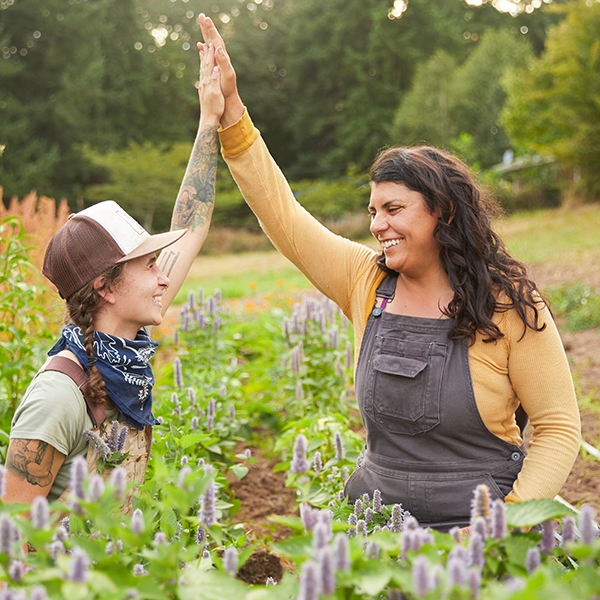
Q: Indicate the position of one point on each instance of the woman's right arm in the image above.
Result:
(31, 468)
(330, 262)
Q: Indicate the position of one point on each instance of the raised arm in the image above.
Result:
(195, 201)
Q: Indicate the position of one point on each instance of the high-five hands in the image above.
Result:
(234, 108)
(212, 101)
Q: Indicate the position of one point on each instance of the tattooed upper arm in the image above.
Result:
(32, 466)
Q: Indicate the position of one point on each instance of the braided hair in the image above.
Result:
(82, 307)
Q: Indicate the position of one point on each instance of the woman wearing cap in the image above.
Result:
(454, 338)
(105, 265)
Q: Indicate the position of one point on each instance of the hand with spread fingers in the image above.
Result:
(234, 107)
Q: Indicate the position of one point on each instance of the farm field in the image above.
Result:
(258, 432)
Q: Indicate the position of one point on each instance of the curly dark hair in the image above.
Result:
(477, 263)
(82, 307)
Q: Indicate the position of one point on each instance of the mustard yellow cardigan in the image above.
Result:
(531, 370)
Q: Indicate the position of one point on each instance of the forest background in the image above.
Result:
(97, 98)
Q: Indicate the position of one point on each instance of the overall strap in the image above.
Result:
(384, 294)
(75, 371)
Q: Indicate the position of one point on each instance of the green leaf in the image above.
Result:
(533, 512)
(191, 439)
(372, 577)
(240, 471)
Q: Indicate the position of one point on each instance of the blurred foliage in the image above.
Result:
(553, 106)
(577, 303)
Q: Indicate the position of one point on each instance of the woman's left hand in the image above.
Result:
(212, 101)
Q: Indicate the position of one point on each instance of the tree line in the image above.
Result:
(97, 96)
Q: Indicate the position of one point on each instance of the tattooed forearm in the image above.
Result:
(196, 198)
(166, 261)
(32, 459)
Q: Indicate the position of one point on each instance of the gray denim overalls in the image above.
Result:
(427, 447)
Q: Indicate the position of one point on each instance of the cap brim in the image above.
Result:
(154, 243)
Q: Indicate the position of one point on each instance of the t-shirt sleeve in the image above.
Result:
(53, 410)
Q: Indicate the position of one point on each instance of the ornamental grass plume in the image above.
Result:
(299, 463)
(533, 560)
(177, 372)
(230, 560)
(207, 506)
(79, 565)
(421, 576)
(40, 512)
(587, 524)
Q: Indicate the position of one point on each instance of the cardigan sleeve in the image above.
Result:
(542, 381)
(332, 263)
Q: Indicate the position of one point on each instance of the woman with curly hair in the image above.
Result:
(457, 346)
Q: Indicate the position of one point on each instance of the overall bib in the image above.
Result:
(427, 446)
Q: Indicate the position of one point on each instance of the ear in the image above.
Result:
(103, 290)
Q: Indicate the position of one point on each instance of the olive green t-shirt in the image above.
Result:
(53, 410)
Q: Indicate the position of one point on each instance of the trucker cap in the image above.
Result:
(95, 239)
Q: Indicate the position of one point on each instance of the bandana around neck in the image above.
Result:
(124, 366)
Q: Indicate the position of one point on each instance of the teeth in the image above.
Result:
(389, 243)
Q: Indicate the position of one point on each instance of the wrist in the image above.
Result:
(209, 121)
(234, 110)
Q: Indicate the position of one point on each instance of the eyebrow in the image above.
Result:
(385, 204)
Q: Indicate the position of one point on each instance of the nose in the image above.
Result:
(162, 278)
(378, 224)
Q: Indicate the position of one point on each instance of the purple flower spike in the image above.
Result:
(118, 479)
(341, 552)
(139, 570)
(122, 438)
(308, 516)
(499, 529)
(587, 525)
(327, 570)
(358, 507)
(299, 390)
(421, 577)
(200, 295)
(533, 560)
(2, 480)
(480, 505)
(349, 361)
(40, 512)
(160, 538)
(339, 447)
(299, 463)
(207, 506)
(568, 531)
(191, 397)
(368, 515)
(309, 581)
(194, 424)
(137, 522)
(177, 372)
(96, 487)
(474, 582)
(478, 526)
(377, 504)
(547, 543)
(38, 593)
(476, 544)
(79, 565)
(456, 534)
(192, 300)
(457, 572)
(396, 524)
(200, 535)
(113, 436)
(321, 535)
(230, 560)
(16, 570)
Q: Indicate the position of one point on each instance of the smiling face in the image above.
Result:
(136, 301)
(403, 225)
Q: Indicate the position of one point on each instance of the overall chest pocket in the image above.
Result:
(406, 385)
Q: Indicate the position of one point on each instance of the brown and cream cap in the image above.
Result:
(95, 239)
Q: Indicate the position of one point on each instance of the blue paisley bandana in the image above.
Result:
(124, 366)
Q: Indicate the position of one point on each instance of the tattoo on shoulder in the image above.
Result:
(167, 260)
(196, 197)
(32, 459)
